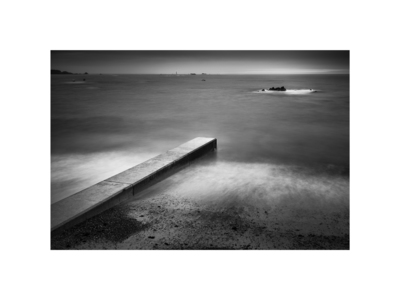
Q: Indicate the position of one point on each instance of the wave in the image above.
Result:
(289, 92)
(226, 184)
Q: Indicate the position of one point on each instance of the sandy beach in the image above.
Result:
(166, 216)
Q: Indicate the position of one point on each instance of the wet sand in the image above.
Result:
(171, 221)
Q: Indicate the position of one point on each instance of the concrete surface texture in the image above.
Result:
(123, 186)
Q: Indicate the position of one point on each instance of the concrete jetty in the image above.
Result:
(123, 186)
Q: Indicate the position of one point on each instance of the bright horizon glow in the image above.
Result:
(209, 62)
(199, 74)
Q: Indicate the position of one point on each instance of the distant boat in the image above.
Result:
(192, 73)
(203, 80)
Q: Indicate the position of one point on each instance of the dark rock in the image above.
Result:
(281, 89)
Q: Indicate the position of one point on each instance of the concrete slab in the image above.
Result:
(140, 172)
(123, 186)
(76, 205)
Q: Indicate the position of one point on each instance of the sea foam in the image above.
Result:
(289, 92)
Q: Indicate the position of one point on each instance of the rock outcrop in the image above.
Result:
(280, 89)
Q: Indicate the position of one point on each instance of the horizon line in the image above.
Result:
(348, 73)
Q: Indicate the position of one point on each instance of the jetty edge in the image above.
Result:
(123, 186)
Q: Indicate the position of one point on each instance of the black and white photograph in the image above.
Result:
(200, 150)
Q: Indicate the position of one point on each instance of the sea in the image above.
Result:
(272, 146)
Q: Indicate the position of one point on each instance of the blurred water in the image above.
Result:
(108, 123)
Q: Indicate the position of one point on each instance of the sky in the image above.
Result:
(210, 62)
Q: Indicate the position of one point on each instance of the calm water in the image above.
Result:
(267, 143)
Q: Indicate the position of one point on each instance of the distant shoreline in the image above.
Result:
(58, 72)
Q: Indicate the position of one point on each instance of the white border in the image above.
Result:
(32, 29)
